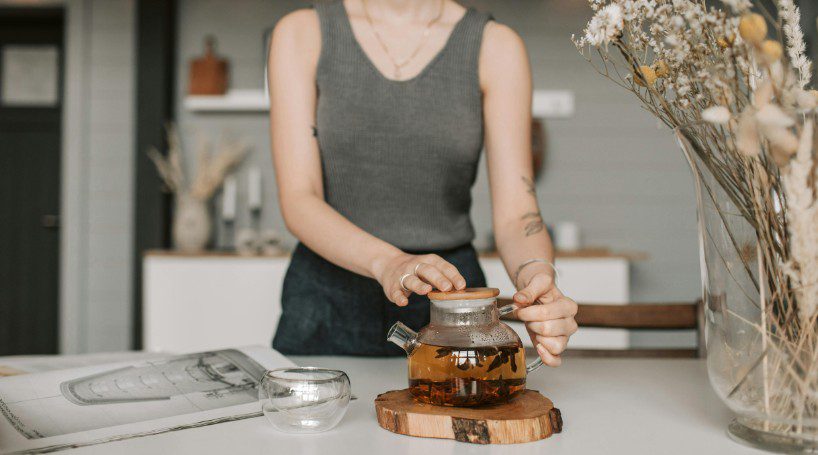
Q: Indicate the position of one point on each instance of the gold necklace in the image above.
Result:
(423, 40)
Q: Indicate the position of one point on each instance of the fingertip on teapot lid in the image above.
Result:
(465, 294)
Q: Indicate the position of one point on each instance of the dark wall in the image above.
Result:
(155, 77)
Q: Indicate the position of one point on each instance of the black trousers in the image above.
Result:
(328, 310)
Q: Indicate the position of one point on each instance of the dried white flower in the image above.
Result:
(806, 99)
(763, 94)
(634, 9)
(579, 43)
(779, 74)
(718, 115)
(606, 24)
(784, 141)
(596, 4)
(683, 85)
(771, 115)
(738, 6)
(802, 213)
(677, 22)
(748, 142)
(791, 20)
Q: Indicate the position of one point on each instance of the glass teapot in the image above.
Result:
(465, 356)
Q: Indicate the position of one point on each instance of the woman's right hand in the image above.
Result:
(425, 272)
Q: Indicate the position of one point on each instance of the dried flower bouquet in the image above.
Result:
(732, 80)
(192, 217)
(210, 170)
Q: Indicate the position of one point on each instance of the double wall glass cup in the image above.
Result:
(304, 400)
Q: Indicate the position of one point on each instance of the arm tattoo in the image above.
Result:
(530, 187)
(534, 224)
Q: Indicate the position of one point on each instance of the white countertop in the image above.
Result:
(609, 406)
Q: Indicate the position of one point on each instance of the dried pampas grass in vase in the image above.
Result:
(731, 79)
(192, 220)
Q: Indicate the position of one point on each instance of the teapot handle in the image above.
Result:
(507, 309)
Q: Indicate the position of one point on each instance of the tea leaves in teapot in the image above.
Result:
(466, 376)
(496, 362)
(486, 351)
(463, 366)
(507, 354)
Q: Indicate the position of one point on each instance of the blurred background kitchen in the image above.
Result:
(87, 258)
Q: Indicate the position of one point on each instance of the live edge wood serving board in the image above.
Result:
(527, 417)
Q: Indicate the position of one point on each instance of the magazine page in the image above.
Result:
(69, 408)
(24, 364)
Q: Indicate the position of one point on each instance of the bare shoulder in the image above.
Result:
(454, 12)
(499, 41)
(502, 52)
(297, 33)
(301, 22)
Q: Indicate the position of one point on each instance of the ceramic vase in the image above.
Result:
(192, 224)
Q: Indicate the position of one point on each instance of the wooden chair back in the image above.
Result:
(642, 316)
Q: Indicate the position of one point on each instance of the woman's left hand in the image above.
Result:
(548, 316)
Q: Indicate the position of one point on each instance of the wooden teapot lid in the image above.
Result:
(465, 294)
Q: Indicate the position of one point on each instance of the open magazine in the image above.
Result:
(53, 410)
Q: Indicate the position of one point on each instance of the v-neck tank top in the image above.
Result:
(399, 158)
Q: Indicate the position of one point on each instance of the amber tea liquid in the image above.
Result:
(451, 376)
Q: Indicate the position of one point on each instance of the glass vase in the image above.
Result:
(752, 363)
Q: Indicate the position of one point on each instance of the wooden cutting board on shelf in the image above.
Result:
(528, 417)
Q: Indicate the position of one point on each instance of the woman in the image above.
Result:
(379, 111)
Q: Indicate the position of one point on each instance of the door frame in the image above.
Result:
(151, 110)
(70, 272)
(43, 15)
(74, 205)
(73, 305)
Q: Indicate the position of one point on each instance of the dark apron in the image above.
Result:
(328, 310)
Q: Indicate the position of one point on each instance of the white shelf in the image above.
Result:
(553, 104)
(546, 103)
(233, 101)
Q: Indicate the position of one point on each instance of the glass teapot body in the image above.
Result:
(465, 356)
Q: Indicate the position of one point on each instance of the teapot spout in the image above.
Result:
(403, 336)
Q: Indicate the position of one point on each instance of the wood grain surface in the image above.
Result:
(528, 417)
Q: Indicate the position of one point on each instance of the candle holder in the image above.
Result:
(255, 218)
(228, 234)
(228, 215)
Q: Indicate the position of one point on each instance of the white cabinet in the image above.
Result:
(209, 301)
(584, 279)
(194, 303)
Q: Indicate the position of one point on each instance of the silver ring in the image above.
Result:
(415, 271)
(405, 276)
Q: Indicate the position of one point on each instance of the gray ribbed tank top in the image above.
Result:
(399, 158)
